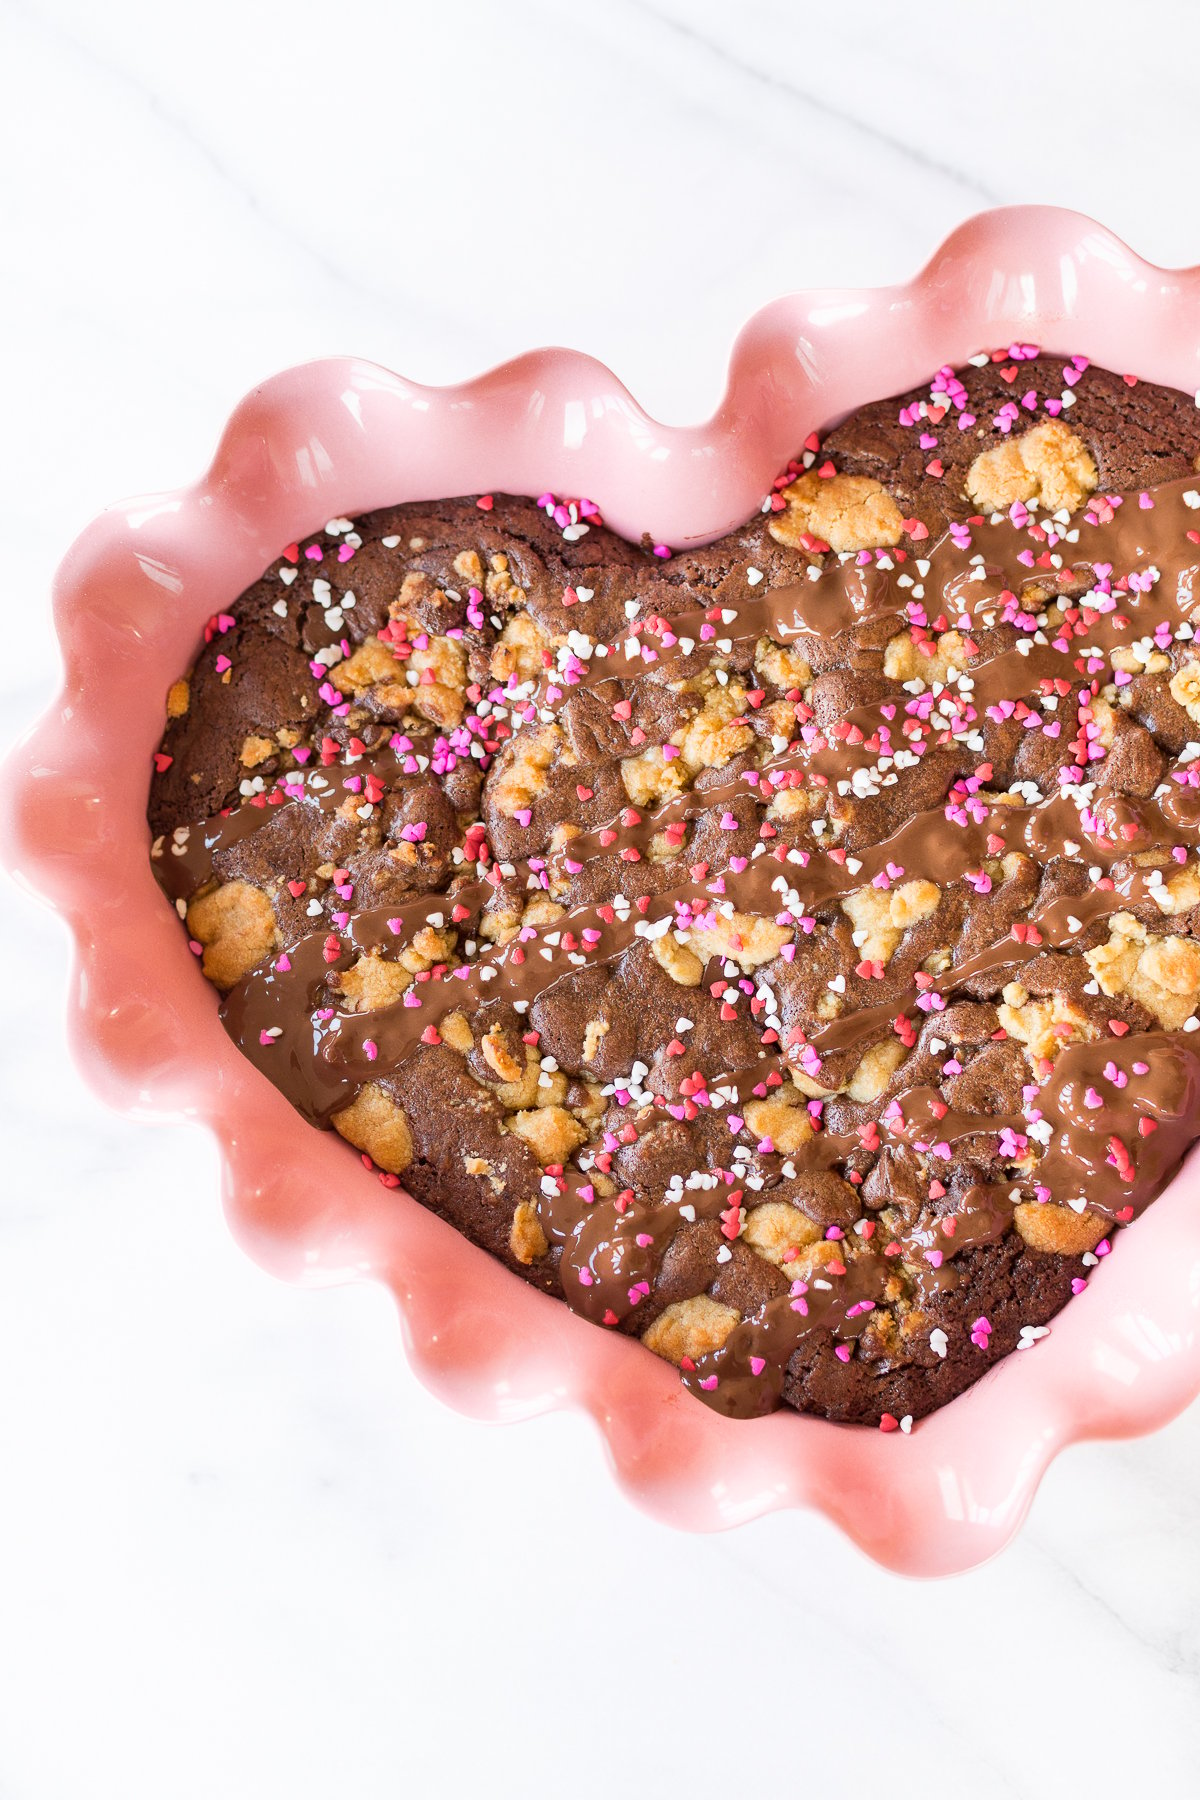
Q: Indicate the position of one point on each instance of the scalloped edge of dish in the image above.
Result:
(343, 436)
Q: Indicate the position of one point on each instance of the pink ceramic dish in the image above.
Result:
(342, 437)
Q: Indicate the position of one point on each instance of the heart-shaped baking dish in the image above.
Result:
(342, 437)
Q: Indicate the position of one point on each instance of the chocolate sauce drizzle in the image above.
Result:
(1133, 564)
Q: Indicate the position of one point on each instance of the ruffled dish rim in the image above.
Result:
(342, 437)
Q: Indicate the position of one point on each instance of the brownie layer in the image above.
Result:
(783, 950)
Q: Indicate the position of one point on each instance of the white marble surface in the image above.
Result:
(241, 1552)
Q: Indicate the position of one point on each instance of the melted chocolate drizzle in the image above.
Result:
(1138, 568)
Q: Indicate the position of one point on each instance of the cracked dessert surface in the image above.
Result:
(787, 951)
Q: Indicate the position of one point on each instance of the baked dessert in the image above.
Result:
(786, 951)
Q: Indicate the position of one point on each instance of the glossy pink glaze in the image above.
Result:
(342, 437)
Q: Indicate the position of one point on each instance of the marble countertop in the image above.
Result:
(241, 1551)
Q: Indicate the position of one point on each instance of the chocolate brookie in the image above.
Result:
(786, 950)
